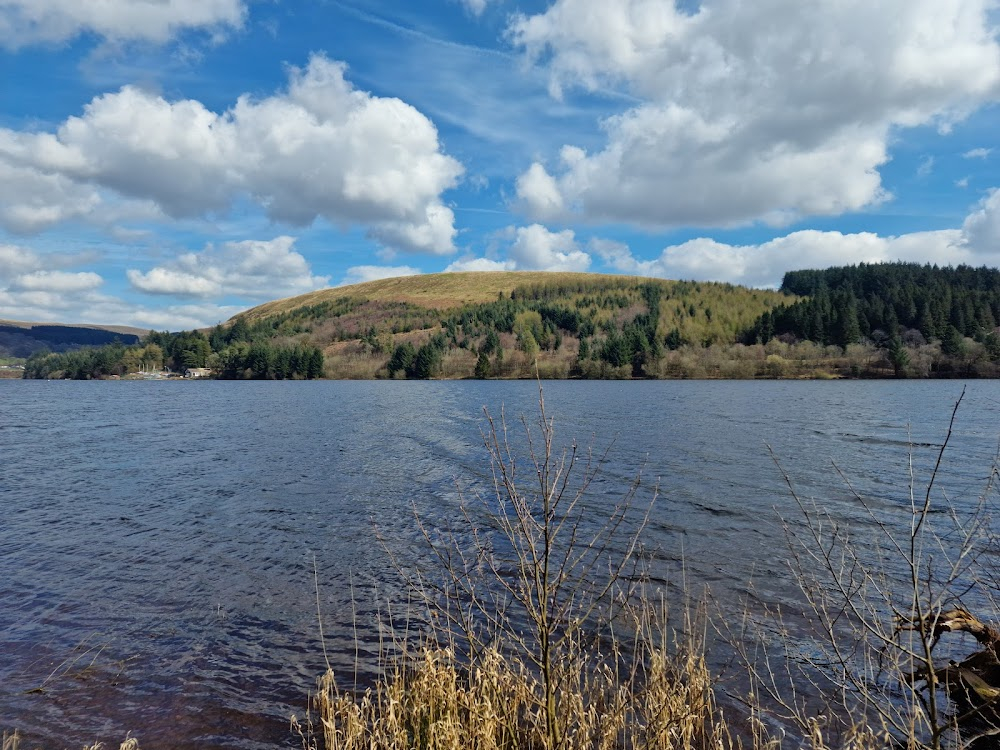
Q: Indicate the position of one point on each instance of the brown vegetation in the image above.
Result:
(508, 656)
(439, 291)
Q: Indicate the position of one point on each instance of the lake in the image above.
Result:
(160, 542)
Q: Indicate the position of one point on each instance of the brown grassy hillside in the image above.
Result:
(439, 291)
(359, 327)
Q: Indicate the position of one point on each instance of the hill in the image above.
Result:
(20, 339)
(569, 323)
(884, 320)
(439, 291)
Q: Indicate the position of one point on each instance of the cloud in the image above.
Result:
(32, 199)
(976, 243)
(361, 274)
(535, 248)
(19, 262)
(977, 153)
(763, 265)
(749, 111)
(435, 235)
(250, 268)
(540, 193)
(61, 282)
(480, 264)
(981, 228)
(85, 305)
(24, 22)
(102, 309)
(532, 248)
(33, 287)
(173, 282)
(926, 167)
(15, 261)
(475, 7)
(177, 317)
(319, 149)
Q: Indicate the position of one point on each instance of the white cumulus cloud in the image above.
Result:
(32, 199)
(15, 261)
(480, 264)
(763, 265)
(532, 248)
(976, 243)
(251, 268)
(35, 286)
(320, 149)
(361, 274)
(61, 282)
(24, 22)
(535, 248)
(981, 228)
(750, 110)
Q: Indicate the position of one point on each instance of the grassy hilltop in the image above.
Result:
(438, 291)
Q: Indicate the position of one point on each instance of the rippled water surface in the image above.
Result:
(158, 541)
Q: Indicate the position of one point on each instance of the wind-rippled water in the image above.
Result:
(158, 541)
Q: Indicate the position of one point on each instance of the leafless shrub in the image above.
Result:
(879, 597)
(538, 633)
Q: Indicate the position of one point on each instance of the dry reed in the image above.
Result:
(13, 742)
(661, 698)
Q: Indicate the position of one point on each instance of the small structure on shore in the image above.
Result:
(198, 372)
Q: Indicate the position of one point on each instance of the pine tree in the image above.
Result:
(483, 366)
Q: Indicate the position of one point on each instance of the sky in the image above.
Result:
(169, 163)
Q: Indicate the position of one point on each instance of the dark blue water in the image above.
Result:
(159, 541)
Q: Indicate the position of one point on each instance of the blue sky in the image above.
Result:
(168, 163)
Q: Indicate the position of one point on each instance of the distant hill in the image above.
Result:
(873, 321)
(463, 321)
(21, 339)
(438, 291)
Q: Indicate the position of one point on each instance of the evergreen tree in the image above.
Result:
(953, 343)
(674, 339)
(315, 366)
(427, 363)
(616, 351)
(898, 356)
(239, 331)
(402, 359)
(492, 342)
(925, 323)
(483, 366)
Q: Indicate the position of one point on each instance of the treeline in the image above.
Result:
(616, 328)
(240, 351)
(871, 320)
(23, 341)
(849, 304)
(88, 363)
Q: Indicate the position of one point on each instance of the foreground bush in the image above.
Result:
(663, 700)
(537, 637)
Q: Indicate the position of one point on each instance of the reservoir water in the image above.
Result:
(160, 542)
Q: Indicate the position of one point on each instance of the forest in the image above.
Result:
(870, 320)
(231, 353)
